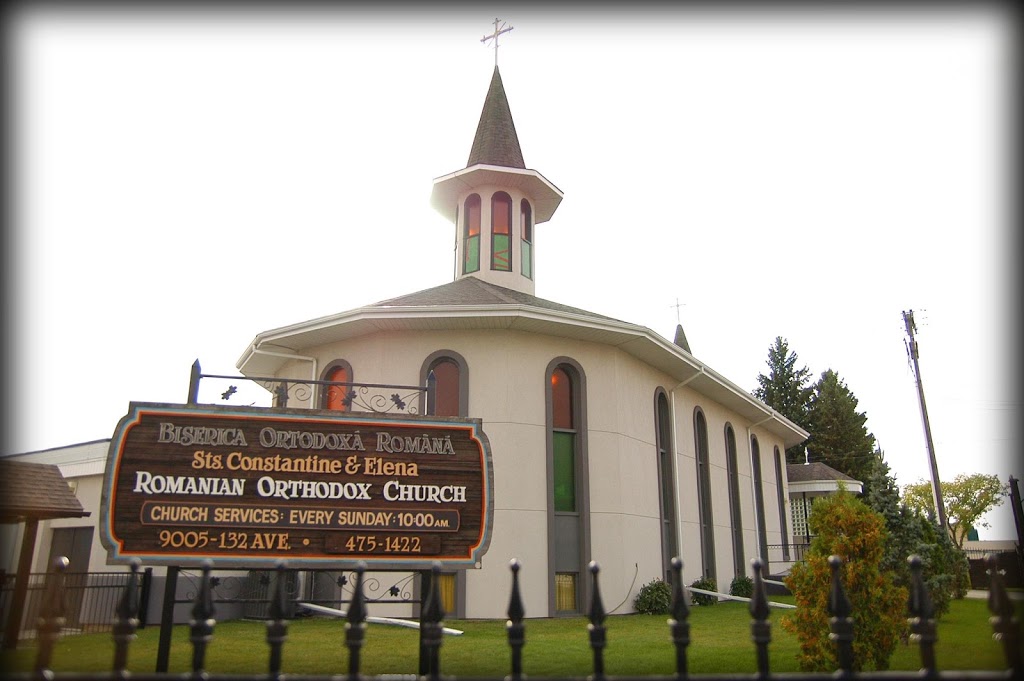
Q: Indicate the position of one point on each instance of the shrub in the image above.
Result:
(708, 584)
(654, 598)
(846, 527)
(742, 586)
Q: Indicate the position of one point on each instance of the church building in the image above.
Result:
(609, 442)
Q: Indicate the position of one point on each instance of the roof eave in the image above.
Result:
(447, 188)
(638, 341)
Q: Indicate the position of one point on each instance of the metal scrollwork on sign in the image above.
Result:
(355, 397)
(223, 588)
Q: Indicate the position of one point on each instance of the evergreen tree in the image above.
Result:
(839, 437)
(910, 533)
(785, 389)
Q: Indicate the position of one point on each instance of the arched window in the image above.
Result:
(446, 376)
(666, 483)
(526, 232)
(501, 232)
(762, 532)
(735, 511)
(568, 496)
(780, 467)
(471, 234)
(337, 397)
(707, 529)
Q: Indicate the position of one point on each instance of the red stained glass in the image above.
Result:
(336, 393)
(561, 399)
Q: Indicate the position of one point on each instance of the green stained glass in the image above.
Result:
(500, 258)
(564, 446)
(527, 256)
(472, 254)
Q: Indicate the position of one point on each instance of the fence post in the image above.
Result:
(596, 615)
(277, 626)
(680, 614)
(147, 586)
(840, 621)
(516, 628)
(52, 619)
(202, 622)
(1004, 622)
(126, 621)
(922, 617)
(760, 628)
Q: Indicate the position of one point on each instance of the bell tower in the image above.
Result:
(495, 201)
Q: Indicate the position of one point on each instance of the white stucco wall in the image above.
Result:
(506, 390)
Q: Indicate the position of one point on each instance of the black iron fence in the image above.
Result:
(921, 620)
(90, 599)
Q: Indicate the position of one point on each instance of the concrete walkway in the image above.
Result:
(983, 594)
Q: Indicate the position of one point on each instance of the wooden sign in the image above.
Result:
(246, 487)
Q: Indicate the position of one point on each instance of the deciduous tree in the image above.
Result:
(966, 499)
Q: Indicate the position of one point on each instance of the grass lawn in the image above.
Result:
(637, 644)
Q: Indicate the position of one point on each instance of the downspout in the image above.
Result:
(270, 353)
(675, 456)
(750, 459)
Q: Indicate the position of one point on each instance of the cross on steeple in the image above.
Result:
(677, 306)
(494, 36)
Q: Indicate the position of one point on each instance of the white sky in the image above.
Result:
(185, 181)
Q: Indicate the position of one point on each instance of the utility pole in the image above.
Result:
(940, 510)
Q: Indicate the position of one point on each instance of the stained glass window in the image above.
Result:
(501, 232)
(707, 533)
(739, 562)
(471, 243)
(526, 231)
(335, 395)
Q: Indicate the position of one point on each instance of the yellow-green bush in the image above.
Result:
(846, 527)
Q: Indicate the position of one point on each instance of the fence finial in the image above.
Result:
(596, 615)
(126, 620)
(680, 610)
(760, 627)
(516, 628)
(1005, 628)
(840, 621)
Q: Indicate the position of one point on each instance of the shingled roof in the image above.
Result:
(496, 142)
(805, 472)
(473, 291)
(35, 490)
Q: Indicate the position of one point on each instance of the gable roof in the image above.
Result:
(496, 142)
(35, 490)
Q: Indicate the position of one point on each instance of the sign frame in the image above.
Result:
(128, 513)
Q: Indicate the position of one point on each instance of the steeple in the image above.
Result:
(495, 201)
(496, 142)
